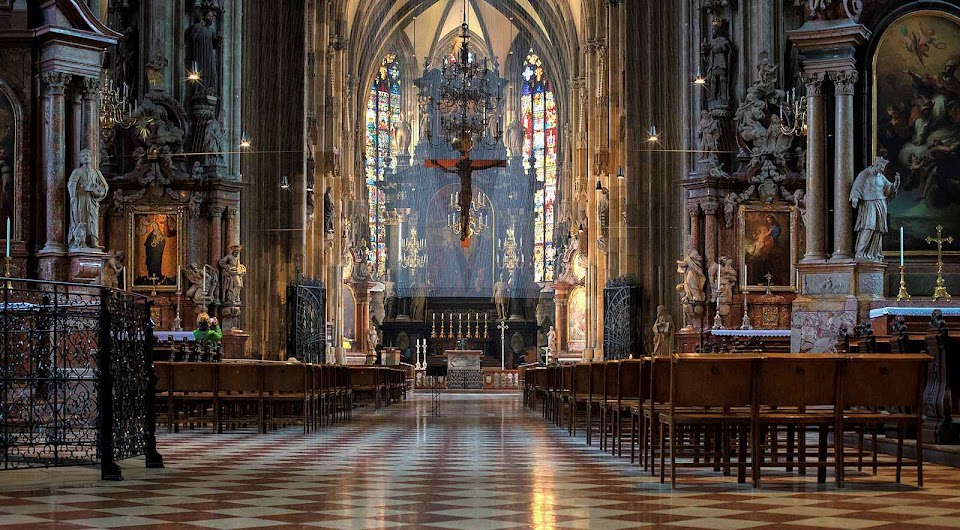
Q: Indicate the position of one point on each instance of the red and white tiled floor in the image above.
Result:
(485, 462)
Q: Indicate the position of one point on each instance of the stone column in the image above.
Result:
(216, 233)
(231, 226)
(361, 320)
(843, 82)
(709, 208)
(77, 136)
(816, 150)
(54, 153)
(694, 211)
(561, 294)
(91, 117)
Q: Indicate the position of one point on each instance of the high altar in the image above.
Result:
(463, 369)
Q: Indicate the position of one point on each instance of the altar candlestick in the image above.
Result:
(901, 244)
(8, 238)
(204, 280)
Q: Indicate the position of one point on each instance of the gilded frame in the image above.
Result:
(748, 216)
(136, 256)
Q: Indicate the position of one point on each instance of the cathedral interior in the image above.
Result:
(715, 234)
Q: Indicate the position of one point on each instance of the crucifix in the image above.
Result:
(503, 343)
(769, 278)
(941, 290)
(464, 167)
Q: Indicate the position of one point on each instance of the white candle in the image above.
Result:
(901, 243)
(204, 279)
(8, 237)
(178, 275)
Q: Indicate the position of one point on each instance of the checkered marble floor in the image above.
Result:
(485, 462)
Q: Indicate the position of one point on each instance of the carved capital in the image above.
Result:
(338, 43)
(814, 83)
(710, 206)
(216, 211)
(843, 81)
(693, 210)
(91, 88)
(230, 212)
(55, 83)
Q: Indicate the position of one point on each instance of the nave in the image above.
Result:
(484, 462)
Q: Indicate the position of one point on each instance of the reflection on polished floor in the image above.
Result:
(485, 462)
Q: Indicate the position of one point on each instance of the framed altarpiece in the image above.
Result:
(155, 248)
(768, 242)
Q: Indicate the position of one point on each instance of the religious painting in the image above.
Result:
(155, 250)
(577, 319)
(768, 243)
(8, 139)
(349, 316)
(916, 124)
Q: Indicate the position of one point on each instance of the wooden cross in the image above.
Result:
(464, 167)
(769, 278)
(941, 290)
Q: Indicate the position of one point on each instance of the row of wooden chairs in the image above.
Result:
(728, 411)
(262, 394)
(385, 385)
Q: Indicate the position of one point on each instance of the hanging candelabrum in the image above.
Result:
(793, 114)
(116, 107)
(413, 256)
(469, 100)
(479, 221)
(511, 256)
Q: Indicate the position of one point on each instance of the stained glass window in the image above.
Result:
(383, 114)
(538, 111)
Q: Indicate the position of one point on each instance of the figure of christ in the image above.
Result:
(464, 167)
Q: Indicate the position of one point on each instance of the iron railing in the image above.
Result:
(76, 376)
(307, 322)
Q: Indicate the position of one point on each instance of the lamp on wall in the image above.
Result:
(620, 173)
(284, 183)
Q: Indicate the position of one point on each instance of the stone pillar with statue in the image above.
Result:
(232, 272)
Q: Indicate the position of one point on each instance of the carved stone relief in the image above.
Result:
(826, 283)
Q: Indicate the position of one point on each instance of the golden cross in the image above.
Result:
(940, 291)
(769, 278)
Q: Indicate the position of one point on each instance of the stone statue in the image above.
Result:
(501, 297)
(603, 216)
(112, 269)
(233, 273)
(728, 281)
(425, 125)
(691, 288)
(717, 50)
(513, 137)
(552, 341)
(328, 210)
(401, 136)
(203, 289)
(197, 172)
(869, 196)
(663, 333)
(418, 306)
(213, 143)
(709, 133)
(372, 339)
(389, 295)
(87, 188)
(204, 42)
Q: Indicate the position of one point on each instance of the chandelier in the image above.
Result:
(510, 256)
(479, 221)
(115, 106)
(413, 256)
(793, 114)
(467, 104)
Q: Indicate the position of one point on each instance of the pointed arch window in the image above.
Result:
(383, 114)
(538, 112)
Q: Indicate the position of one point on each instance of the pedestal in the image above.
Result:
(833, 294)
(463, 370)
(390, 356)
(235, 344)
(85, 265)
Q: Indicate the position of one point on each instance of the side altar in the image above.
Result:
(463, 369)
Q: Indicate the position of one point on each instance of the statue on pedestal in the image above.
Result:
(552, 342)
(203, 289)
(663, 333)
(869, 196)
(389, 295)
(204, 41)
(87, 188)
(717, 50)
(709, 135)
(691, 288)
(112, 269)
(328, 210)
(402, 136)
(233, 273)
(372, 339)
(728, 280)
(501, 297)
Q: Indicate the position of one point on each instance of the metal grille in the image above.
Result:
(69, 352)
(621, 320)
(307, 336)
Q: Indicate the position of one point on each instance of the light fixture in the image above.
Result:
(620, 173)
(284, 183)
(193, 75)
(599, 185)
(116, 107)
(793, 114)
(653, 135)
(244, 142)
(580, 228)
(309, 188)
(699, 79)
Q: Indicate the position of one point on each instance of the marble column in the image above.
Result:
(53, 152)
(76, 135)
(816, 151)
(693, 210)
(216, 233)
(561, 294)
(843, 82)
(231, 227)
(91, 117)
(361, 319)
(709, 208)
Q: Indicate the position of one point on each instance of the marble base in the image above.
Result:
(85, 265)
(235, 344)
(390, 356)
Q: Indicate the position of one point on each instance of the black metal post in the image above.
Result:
(153, 458)
(109, 470)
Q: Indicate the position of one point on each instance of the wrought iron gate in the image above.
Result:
(307, 322)
(621, 319)
(77, 376)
